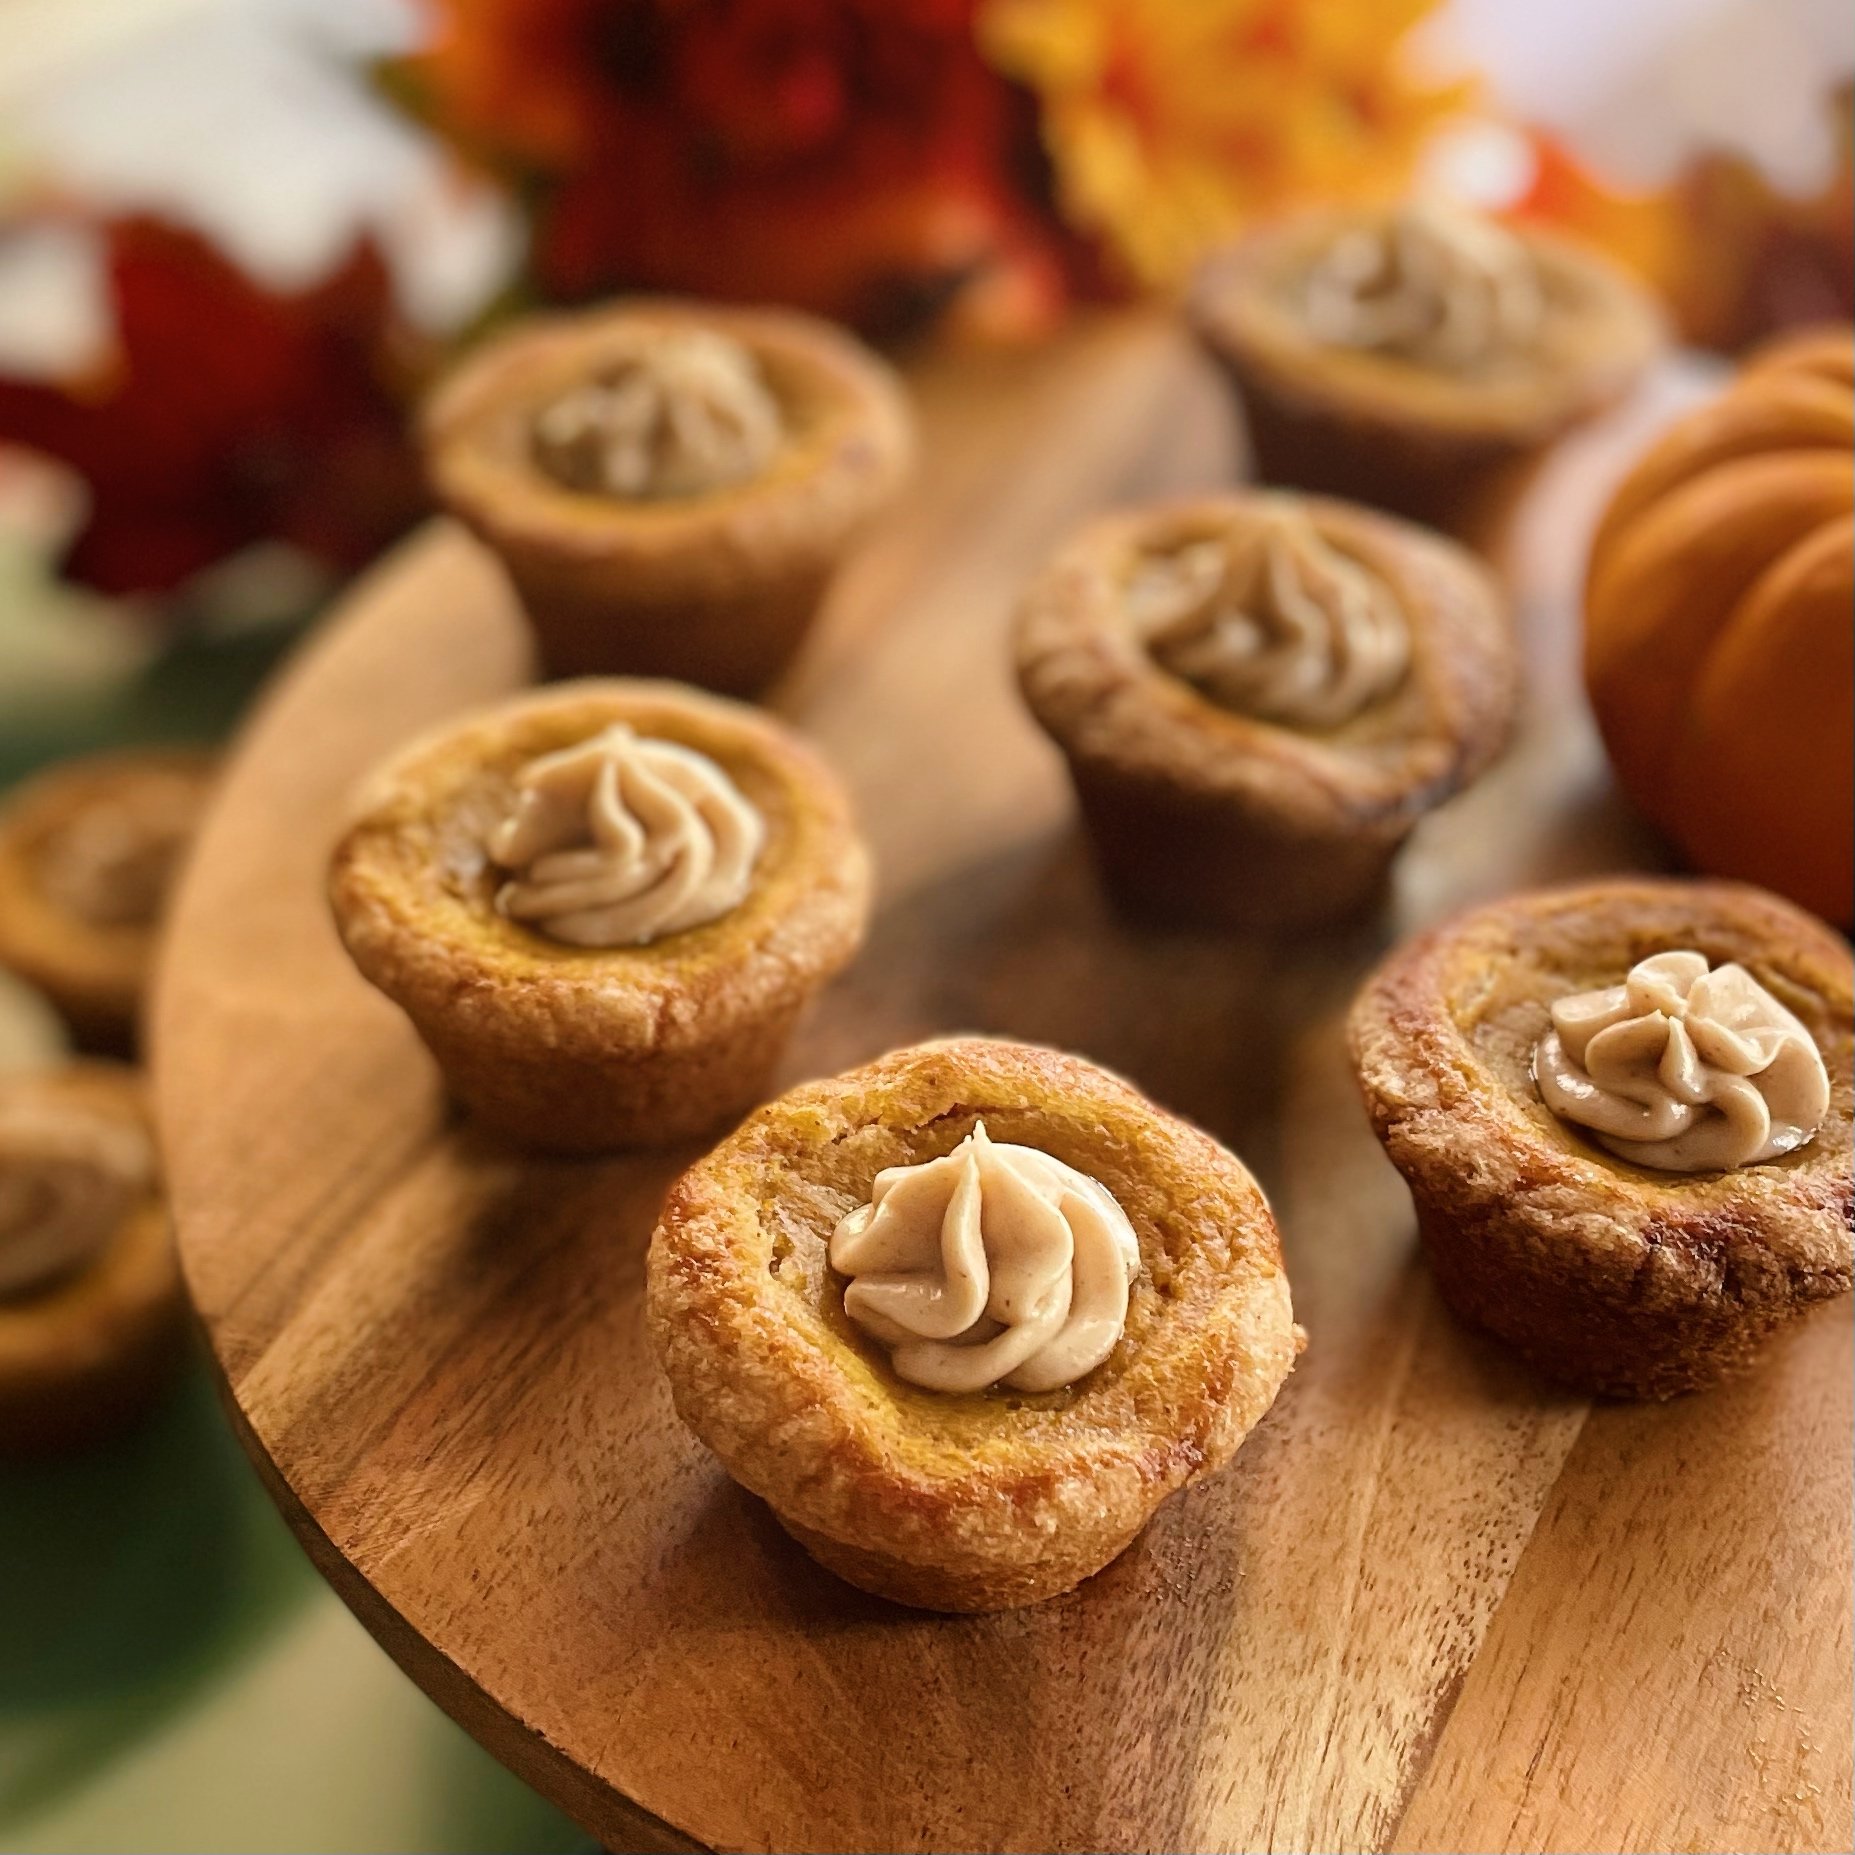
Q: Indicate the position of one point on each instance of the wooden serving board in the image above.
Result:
(1434, 1604)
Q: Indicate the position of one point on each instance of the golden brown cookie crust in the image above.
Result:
(583, 1049)
(952, 1502)
(715, 588)
(1202, 812)
(1601, 331)
(1612, 1277)
(85, 1354)
(93, 973)
(1445, 450)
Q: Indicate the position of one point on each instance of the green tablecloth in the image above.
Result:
(175, 1676)
(173, 1673)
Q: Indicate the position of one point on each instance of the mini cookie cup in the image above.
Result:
(718, 589)
(1450, 452)
(94, 972)
(954, 1502)
(87, 1353)
(1614, 1278)
(570, 1049)
(1206, 817)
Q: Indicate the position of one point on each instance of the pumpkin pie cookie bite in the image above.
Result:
(964, 1317)
(1260, 695)
(1624, 1113)
(88, 851)
(1419, 356)
(603, 906)
(91, 1306)
(671, 486)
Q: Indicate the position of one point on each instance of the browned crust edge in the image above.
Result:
(87, 1354)
(1606, 1276)
(1231, 312)
(582, 1053)
(95, 976)
(1202, 812)
(791, 526)
(1048, 1497)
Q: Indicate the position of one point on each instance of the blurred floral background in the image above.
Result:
(238, 236)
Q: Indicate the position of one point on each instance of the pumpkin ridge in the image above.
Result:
(1655, 606)
(1824, 349)
(1783, 412)
(1764, 783)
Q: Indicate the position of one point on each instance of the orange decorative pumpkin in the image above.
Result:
(1720, 626)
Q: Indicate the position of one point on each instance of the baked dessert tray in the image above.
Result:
(1435, 1603)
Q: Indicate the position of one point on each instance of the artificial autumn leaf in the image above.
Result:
(1733, 257)
(226, 414)
(852, 157)
(1170, 126)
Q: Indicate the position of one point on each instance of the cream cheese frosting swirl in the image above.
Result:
(996, 1264)
(68, 1177)
(1432, 284)
(623, 839)
(1271, 620)
(1684, 1069)
(683, 413)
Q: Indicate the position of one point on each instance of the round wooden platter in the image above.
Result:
(1433, 1604)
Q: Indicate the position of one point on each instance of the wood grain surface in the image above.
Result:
(1433, 1605)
